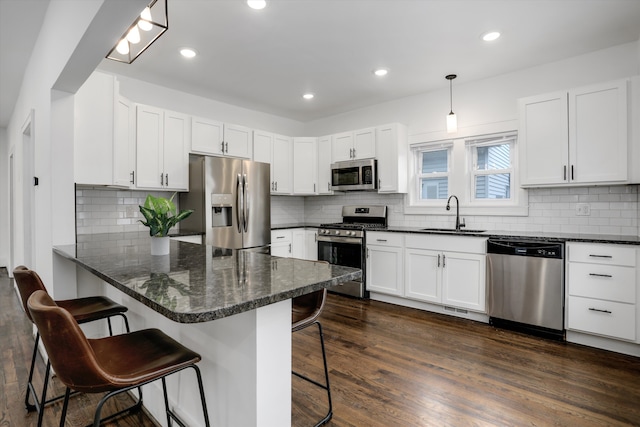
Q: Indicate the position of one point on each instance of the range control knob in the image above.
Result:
(337, 232)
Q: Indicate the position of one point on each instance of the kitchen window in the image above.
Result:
(481, 170)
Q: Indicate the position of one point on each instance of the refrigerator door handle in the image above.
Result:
(239, 203)
(245, 204)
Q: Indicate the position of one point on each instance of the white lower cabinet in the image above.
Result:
(385, 263)
(295, 243)
(602, 290)
(281, 243)
(447, 270)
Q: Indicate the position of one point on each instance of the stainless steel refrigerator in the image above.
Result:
(231, 201)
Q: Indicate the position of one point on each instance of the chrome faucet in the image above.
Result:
(458, 224)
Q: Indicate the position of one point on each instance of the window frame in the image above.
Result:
(472, 146)
(417, 152)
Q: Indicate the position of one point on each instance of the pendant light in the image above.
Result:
(452, 120)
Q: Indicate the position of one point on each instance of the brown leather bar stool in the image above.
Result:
(82, 309)
(305, 311)
(114, 364)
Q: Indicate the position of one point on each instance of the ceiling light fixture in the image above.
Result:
(491, 36)
(452, 120)
(187, 52)
(151, 24)
(308, 96)
(257, 4)
(381, 72)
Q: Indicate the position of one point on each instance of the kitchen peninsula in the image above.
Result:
(233, 307)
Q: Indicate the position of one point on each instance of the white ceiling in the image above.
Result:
(265, 60)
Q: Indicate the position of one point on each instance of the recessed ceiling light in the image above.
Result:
(257, 4)
(490, 36)
(381, 72)
(188, 52)
(308, 96)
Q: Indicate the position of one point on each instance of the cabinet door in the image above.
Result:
(364, 143)
(391, 149)
(341, 146)
(385, 270)
(282, 165)
(262, 145)
(206, 136)
(124, 143)
(237, 141)
(298, 245)
(149, 152)
(543, 139)
(176, 155)
(463, 280)
(422, 273)
(281, 243)
(598, 133)
(324, 165)
(311, 244)
(304, 166)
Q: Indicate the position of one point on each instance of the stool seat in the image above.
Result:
(88, 309)
(132, 359)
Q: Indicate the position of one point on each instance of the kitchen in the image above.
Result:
(484, 107)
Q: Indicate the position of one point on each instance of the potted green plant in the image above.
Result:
(160, 215)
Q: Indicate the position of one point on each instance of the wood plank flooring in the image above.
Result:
(394, 366)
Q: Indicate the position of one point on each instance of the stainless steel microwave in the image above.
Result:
(354, 175)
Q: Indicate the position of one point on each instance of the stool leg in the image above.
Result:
(326, 376)
(30, 389)
(44, 393)
(166, 402)
(63, 416)
(202, 397)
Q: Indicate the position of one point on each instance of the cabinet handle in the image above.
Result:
(314, 188)
(276, 185)
(438, 260)
(272, 188)
(133, 177)
(222, 147)
(328, 186)
(564, 173)
(289, 247)
(443, 261)
(572, 178)
(599, 310)
(279, 237)
(166, 179)
(161, 179)
(600, 275)
(367, 253)
(381, 240)
(354, 153)
(226, 147)
(600, 256)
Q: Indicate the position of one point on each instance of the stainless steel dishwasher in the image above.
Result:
(525, 286)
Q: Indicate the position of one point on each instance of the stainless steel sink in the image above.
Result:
(453, 230)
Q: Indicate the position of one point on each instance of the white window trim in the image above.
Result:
(420, 148)
(460, 181)
(471, 145)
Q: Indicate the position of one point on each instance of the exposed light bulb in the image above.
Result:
(134, 36)
(452, 123)
(123, 47)
(257, 4)
(145, 20)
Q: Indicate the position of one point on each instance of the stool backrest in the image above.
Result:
(28, 282)
(69, 351)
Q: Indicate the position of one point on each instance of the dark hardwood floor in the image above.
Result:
(393, 366)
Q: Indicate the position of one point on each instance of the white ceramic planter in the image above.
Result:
(160, 245)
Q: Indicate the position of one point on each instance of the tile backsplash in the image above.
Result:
(613, 210)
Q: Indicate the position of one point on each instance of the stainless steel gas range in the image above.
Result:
(343, 243)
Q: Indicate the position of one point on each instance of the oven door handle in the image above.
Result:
(337, 239)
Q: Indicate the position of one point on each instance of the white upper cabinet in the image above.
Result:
(305, 164)
(360, 144)
(220, 139)
(104, 135)
(278, 151)
(391, 149)
(324, 165)
(575, 137)
(162, 156)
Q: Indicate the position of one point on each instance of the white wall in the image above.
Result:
(4, 198)
(159, 96)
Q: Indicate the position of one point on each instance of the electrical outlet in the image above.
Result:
(583, 209)
(131, 211)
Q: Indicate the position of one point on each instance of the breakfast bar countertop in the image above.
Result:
(199, 283)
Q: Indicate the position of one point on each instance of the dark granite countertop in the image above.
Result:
(199, 283)
(295, 225)
(523, 235)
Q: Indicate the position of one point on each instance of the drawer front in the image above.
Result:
(447, 243)
(385, 239)
(600, 317)
(279, 236)
(602, 254)
(608, 282)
